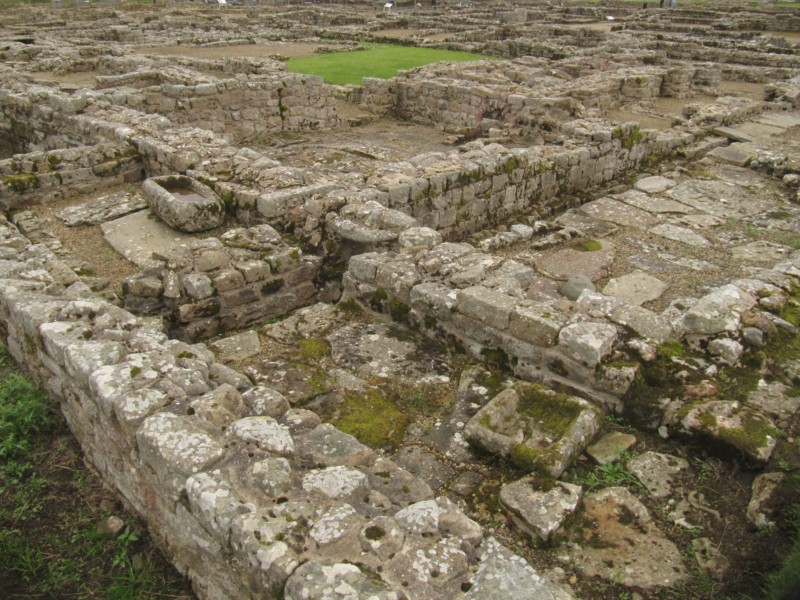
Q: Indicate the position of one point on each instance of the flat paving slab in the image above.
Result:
(138, 235)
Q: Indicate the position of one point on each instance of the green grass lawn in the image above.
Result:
(381, 61)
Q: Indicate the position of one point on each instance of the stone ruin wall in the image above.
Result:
(37, 119)
(246, 494)
(220, 285)
(65, 173)
(492, 189)
(463, 105)
(242, 110)
(152, 412)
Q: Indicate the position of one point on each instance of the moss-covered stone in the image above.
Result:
(314, 349)
(20, 183)
(552, 412)
(588, 246)
(373, 419)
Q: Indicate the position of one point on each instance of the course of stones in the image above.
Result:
(553, 355)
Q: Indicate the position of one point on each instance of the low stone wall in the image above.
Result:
(517, 94)
(461, 193)
(64, 173)
(218, 285)
(252, 499)
(476, 302)
(37, 118)
(241, 109)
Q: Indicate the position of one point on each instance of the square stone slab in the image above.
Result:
(138, 235)
(610, 447)
(735, 154)
(653, 204)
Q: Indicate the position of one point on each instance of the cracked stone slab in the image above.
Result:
(657, 471)
(736, 154)
(623, 544)
(619, 213)
(679, 234)
(566, 263)
(761, 252)
(100, 210)
(635, 288)
(237, 347)
(723, 199)
(653, 204)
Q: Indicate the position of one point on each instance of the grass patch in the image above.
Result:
(381, 61)
(50, 507)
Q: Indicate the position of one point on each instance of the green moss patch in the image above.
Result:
(314, 349)
(373, 419)
(552, 412)
(588, 246)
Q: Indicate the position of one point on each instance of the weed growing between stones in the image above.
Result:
(612, 474)
(50, 507)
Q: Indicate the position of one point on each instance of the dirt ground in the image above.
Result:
(287, 49)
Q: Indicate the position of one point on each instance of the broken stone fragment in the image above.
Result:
(265, 402)
(336, 523)
(732, 425)
(657, 471)
(265, 433)
(540, 506)
(718, 311)
(762, 506)
(382, 536)
(219, 407)
(326, 445)
(709, 558)
(335, 482)
(273, 475)
(314, 580)
(416, 237)
(611, 447)
(575, 285)
(214, 503)
(588, 343)
(501, 575)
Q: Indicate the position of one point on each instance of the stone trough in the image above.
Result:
(184, 203)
